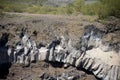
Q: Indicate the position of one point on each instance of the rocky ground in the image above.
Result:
(43, 29)
(46, 26)
(42, 69)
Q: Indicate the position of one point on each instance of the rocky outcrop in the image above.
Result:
(91, 54)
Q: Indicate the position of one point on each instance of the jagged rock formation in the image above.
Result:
(92, 54)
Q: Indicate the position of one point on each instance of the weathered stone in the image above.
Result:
(11, 54)
(118, 77)
(25, 38)
(98, 71)
(26, 50)
(79, 60)
(72, 57)
(33, 57)
(51, 55)
(59, 56)
(43, 54)
(22, 58)
(93, 55)
(27, 61)
(113, 73)
(90, 56)
(4, 39)
(87, 64)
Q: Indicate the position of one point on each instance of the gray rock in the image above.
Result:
(101, 59)
(33, 57)
(22, 59)
(51, 55)
(43, 54)
(11, 54)
(27, 61)
(79, 60)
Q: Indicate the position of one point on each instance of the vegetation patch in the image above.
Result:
(102, 8)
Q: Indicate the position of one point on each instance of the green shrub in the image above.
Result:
(88, 10)
(14, 8)
(32, 9)
(78, 5)
(103, 8)
(60, 10)
(1, 12)
(113, 7)
(41, 9)
(71, 8)
(95, 9)
(68, 9)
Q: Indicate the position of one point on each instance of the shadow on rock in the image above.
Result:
(4, 70)
(56, 64)
(4, 57)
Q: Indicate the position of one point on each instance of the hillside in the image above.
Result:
(44, 30)
(59, 40)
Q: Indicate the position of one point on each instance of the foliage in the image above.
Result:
(113, 7)
(102, 8)
(78, 5)
(41, 9)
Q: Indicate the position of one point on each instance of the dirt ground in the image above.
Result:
(35, 70)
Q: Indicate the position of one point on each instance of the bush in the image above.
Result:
(113, 7)
(78, 5)
(14, 8)
(68, 9)
(95, 9)
(103, 8)
(41, 9)
(88, 9)
(71, 8)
